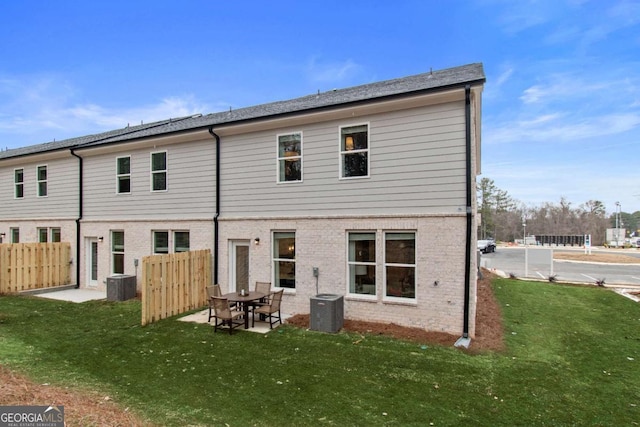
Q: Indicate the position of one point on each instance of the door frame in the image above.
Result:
(233, 245)
(90, 241)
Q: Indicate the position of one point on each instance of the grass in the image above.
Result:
(572, 359)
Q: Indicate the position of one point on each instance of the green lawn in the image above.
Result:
(573, 359)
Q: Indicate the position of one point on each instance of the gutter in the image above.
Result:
(80, 213)
(217, 214)
(464, 340)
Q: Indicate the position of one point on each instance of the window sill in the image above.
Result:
(400, 301)
(362, 298)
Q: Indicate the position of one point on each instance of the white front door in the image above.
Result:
(238, 265)
(92, 261)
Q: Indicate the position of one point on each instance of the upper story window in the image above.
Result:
(400, 264)
(354, 151)
(41, 174)
(290, 157)
(159, 171)
(123, 175)
(18, 181)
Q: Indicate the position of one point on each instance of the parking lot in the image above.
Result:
(511, 260)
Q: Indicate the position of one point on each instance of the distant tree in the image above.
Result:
(502, 217)
(493, 204)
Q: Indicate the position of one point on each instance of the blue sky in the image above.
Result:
(561, 107)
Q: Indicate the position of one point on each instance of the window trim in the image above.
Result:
(15, 234)
(42, 181)
(114, 252)
(153, 172)
(280, 159)
(154, 248)
(43, 232)
(275, 280)
(121, 175)
(385, 264)
(17, 183)
(350, 294)
(342, 153)
(175, 248)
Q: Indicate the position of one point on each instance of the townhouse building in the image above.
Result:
(366, 192)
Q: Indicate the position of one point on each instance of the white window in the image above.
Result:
(284, 259)
(290, 157)
(160, 242)
(354, 151)
(117, 252)
(18, 180)
(400, 264)
(123, 175)
(159, 171)
(56, 235)
(15, 235)
(361, 263)
(43, 235)
(181, 241)
(41, 175)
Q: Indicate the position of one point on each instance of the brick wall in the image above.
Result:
(322, 243)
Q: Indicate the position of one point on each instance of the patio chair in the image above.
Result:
(263, 288)
(212, 291)
(224, 315)
(271, 309)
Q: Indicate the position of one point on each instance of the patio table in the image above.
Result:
(245, 300)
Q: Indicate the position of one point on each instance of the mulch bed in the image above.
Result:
(489, 329)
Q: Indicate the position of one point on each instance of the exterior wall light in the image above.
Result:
(256, 241)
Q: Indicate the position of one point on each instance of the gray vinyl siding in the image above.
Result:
(190, 190)
(417, 166)
(62, 190)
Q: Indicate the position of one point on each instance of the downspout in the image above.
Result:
(465, 340)
(80, 213)
(217, 214)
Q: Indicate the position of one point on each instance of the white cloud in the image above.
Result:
(36, 110)
(559, 127)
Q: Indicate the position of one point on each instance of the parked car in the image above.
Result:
(487, 246)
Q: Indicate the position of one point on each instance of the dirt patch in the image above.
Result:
(597, 257)
(89, 408)
(489, 329)
(80, 408)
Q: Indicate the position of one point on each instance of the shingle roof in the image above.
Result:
(82, 140)
(406, 86)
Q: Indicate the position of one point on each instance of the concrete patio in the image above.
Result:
(260, 326)
(81, 295)
(71, 294)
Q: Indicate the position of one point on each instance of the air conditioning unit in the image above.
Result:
(121, 287)
(327, 313)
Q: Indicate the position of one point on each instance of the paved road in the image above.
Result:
(511, 260)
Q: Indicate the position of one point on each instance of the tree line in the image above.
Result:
(502, 217)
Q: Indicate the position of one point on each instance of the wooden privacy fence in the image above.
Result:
(174, 283)
(29, 266)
